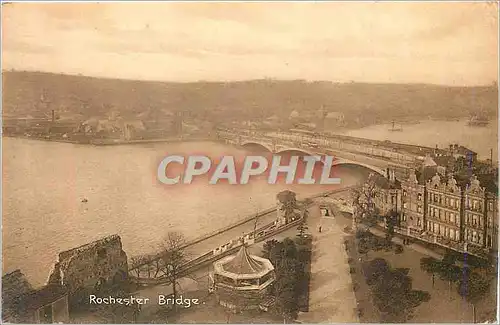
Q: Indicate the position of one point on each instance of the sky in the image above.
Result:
(451, 43)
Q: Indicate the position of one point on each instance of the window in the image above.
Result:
(452, 202)
(452, 217)
(446, 201)
(475, 205)
(419, 197)
(404, 192)
(490, 206)
(457, 235)
(405, 205)
(419, 222)
(419, 208)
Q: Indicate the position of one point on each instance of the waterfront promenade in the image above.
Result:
(331, 298)
(201, 250)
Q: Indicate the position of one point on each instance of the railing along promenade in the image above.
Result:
(259, 234)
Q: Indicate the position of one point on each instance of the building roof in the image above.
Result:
(243, 263)
(428, 162)
(386, 184)
(426, 173)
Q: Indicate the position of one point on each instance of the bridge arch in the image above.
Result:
(256, 143)
(378, 170)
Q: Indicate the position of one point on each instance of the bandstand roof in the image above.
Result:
(243, 265)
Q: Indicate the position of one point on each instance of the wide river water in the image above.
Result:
(44, 184)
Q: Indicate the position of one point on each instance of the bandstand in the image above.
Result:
(242, 281)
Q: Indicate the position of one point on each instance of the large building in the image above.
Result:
(458, 213)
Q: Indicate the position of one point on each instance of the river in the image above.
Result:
(442, 133)
(44, 184)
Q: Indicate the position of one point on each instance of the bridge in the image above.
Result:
(382, 157)
(153, 271)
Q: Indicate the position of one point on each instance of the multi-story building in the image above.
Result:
(444, 211)
(474, 225)
(388, 196)
(491, 221)
(461, 215)
(413, 205)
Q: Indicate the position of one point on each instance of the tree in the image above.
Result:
(285, 293)
(363, 200)
(267, 248)
(173, 257)
(135, 261)
(288, 204)
(302, 228)
(284, 256)
(450, 273)
(472, 287)
(392, 291)
(430, 265)
(390, 222)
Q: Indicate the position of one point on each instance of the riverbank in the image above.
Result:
(112, 142)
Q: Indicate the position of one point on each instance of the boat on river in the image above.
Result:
(394, 128)
(478, 120)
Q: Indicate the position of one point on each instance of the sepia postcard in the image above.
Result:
(249, 162)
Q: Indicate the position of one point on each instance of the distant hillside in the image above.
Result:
(87, 96)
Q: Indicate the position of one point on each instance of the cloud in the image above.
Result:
(414, 42)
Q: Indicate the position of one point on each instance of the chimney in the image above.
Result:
(53, 116)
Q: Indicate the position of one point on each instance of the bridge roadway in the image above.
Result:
(261, 224)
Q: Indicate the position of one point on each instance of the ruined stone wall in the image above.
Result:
(102, 262)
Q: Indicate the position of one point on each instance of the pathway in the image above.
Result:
(331, 297)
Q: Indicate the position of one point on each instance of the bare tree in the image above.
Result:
(173, 256)
(136, 262)
(363, 200)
